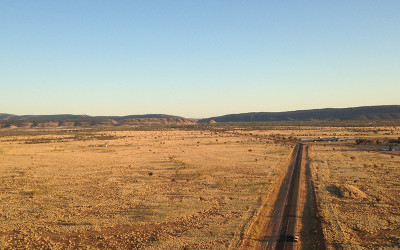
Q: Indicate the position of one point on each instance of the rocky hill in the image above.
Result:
(66, 120)
(369, 113)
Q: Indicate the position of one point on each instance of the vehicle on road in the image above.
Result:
(288, 238)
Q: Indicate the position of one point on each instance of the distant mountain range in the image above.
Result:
(370, 113)
(67, 120)
(83, 117)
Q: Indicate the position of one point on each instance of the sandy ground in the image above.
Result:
(358, 193)
(356, 188)
(146, 189)
(190, 189)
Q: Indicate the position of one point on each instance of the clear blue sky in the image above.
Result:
(197, 58)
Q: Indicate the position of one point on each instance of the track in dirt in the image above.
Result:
(297, 189)
(293, 211)
(283, 218)
(287, 227)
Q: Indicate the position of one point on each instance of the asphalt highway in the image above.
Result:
(284, 217)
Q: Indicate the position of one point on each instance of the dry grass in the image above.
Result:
(357, 186)
(154, 189)
(359, 196)
(176, 188)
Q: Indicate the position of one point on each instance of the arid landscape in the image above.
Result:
(270, 125)
(358, 194)
(191, 187)
(129, 189)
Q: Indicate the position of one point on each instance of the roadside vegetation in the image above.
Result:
(189, 186)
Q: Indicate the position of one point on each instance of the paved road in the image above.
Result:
(283, 218)
(289, 219)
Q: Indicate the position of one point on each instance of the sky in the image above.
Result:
(197, 58)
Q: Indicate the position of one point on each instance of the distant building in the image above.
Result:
(395, 148)
(332, 139)
(391, 148)
(328, 139)
(306, 139)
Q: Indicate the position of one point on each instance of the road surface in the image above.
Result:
(289, 218)
(292, 212)
(282, 221)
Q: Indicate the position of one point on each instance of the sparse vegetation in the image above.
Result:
(193, 186)
(137, 192)
(358, 196)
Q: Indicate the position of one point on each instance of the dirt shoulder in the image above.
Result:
(169, 189)
(264, 231)
(358, 196)
(309, 225)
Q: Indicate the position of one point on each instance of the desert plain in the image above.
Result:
(190, 187)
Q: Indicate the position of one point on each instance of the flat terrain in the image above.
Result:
(291, 211)
(351, 191)
(358, 193)
(126, 189)
(205, 187)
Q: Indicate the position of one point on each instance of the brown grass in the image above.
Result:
(359, 194)
(154, 189)
(178, 188)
